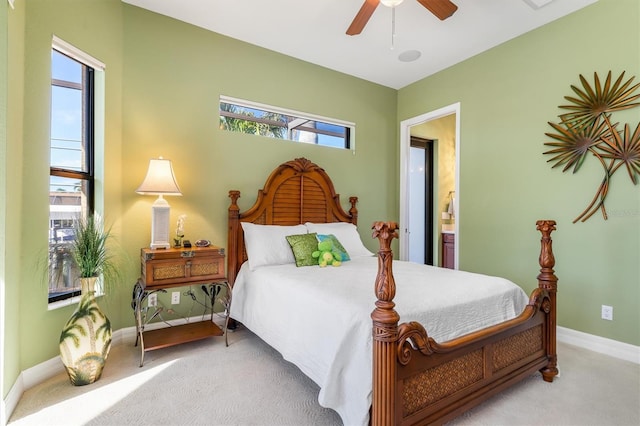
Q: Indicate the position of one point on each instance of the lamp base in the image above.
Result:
(160, 224)
(159, 246)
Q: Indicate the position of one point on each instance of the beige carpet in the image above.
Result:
(248, 383)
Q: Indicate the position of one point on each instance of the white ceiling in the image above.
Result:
(314, 31)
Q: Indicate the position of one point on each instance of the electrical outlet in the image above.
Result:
(175, 298)
(152, 300)
(607, 312)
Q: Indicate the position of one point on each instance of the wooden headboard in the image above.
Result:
(296, 192)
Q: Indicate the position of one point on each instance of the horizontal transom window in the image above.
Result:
(237, 115)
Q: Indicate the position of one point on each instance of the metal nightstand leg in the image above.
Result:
(226, 302)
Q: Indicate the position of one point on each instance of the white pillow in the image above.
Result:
(267, 245)
(346, 233)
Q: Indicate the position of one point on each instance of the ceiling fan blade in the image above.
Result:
(361, 19)
(441, 8)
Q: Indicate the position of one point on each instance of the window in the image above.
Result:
(238, 115)
(71, 164)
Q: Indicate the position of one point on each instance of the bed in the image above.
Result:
(348, 339)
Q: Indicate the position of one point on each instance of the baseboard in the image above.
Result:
(603, 345)
(29, 378)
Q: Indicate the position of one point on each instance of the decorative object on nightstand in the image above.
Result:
(203, 243)
(85, 340)
(177, 240)
(160, 180)
(179, 267)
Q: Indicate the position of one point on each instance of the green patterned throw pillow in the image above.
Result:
(303, 245)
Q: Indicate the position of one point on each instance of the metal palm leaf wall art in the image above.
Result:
(587, 129)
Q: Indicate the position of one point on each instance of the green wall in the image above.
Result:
(4, 32)
(174, 75)
(163, 80)
(507, 96)
(11, 244)
(96, 28)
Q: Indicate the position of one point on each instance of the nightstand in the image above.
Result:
(178, 267)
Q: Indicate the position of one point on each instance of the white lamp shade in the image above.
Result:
(160, 179)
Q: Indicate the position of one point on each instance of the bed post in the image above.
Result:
(548, 282)
(353, 211)
(232, 236)
(385, 330)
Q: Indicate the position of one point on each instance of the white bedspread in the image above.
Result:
(319, 318)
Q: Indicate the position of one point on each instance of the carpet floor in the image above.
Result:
(248, 383)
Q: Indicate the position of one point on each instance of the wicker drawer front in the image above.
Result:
(167, 271)
(208, 268)
(173, 266)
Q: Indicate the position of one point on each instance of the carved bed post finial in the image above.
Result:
(232, 240)
(385, 330)
(548, 282)
(353, 211)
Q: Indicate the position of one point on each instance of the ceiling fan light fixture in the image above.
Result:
(442, 9)
(391, 3)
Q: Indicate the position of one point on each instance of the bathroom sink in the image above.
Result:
(448, 227)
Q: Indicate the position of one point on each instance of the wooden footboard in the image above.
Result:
(418, 381)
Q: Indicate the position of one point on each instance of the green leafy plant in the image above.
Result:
(90, 251)
(89, 248)
(587, 129)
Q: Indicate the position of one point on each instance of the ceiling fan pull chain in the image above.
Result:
(393, 27)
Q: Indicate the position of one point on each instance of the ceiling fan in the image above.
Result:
(440, 8)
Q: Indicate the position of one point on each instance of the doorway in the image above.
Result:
(442, 126)
(421, 192)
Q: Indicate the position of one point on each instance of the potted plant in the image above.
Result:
(85, 340)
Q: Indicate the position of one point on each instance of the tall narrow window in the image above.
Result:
(71, 181)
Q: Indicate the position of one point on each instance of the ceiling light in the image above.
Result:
(409, 56)
(537, 4)
(391, 3)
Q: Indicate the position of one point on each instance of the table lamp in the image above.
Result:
(160, 181)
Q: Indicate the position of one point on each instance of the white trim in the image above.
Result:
(603, 345)
(29, 378)
(71, 300)
(3, 321)
(77, 54)
(405, 141)
(41, 372)
(11, 401)
(63, 303)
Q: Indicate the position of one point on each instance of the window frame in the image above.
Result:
(88, 90)
(87, 176)
(349, 127)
